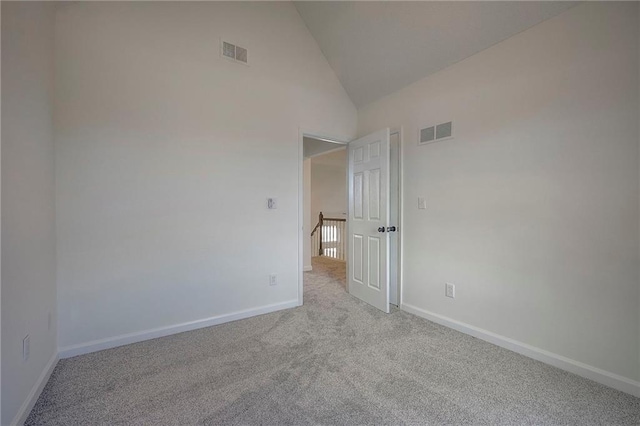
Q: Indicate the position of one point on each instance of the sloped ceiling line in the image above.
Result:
(376, 48)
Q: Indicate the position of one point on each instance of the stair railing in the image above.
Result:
(328, 237)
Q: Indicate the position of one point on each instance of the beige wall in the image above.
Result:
(28, 206)
(533, 206)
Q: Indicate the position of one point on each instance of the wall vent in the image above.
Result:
(228, 50)
(234, 52)
(435, 133)
(241, 54)
(443, 130)
(428, 134)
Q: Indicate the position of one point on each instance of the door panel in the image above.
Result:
(357, 259)
(358, 184)
(368, 267)
(374, 262)
(374, 194)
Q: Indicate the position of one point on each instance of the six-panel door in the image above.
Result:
(368, 259)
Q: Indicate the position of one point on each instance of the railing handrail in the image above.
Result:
(334, 229)
(318, 225)
(315, 229)
(321, 219)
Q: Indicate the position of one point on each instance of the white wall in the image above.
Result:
(28, 207)
(167, 153)
(533, 207)
(329, 185)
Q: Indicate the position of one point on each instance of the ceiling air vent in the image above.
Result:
(435, 133)
(235, 53)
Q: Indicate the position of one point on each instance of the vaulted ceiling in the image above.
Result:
(376, 48)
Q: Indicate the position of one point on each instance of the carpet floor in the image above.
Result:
(334, 360)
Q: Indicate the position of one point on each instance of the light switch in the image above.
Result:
(422, 203)
(272, 203)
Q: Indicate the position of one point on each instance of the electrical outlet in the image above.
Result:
(26, 348)
(273, 279)
(450, 290)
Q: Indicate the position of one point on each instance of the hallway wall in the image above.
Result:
(329, 185)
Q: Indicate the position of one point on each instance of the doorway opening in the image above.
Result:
(325, 208)
(328, 184)
(326, 213)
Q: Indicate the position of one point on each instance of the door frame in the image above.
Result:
(323, 136)
(302, 132)
(399, 263)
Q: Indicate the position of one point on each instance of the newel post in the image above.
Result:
(320, 219)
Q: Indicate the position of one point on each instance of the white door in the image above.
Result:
(368, 272)
(394, 217)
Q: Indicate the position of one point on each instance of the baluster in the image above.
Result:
(340, 237)
(335, 239)
(342, 240)
(332, 239)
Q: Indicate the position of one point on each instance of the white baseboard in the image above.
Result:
(34, 393)
(593, 373)
(126, 339)
(307, 269)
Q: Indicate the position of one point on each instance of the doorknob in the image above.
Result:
(381, 229)
(391, 229)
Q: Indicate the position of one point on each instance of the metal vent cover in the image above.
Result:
(444, 130)
(428, 134)
(435, 133)
(241, 54)
(228, 50)
(234, 52)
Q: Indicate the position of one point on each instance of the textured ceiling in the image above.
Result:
(376, 48)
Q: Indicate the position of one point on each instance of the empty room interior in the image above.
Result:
(237, 213)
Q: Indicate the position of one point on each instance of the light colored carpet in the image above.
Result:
(333, 361)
